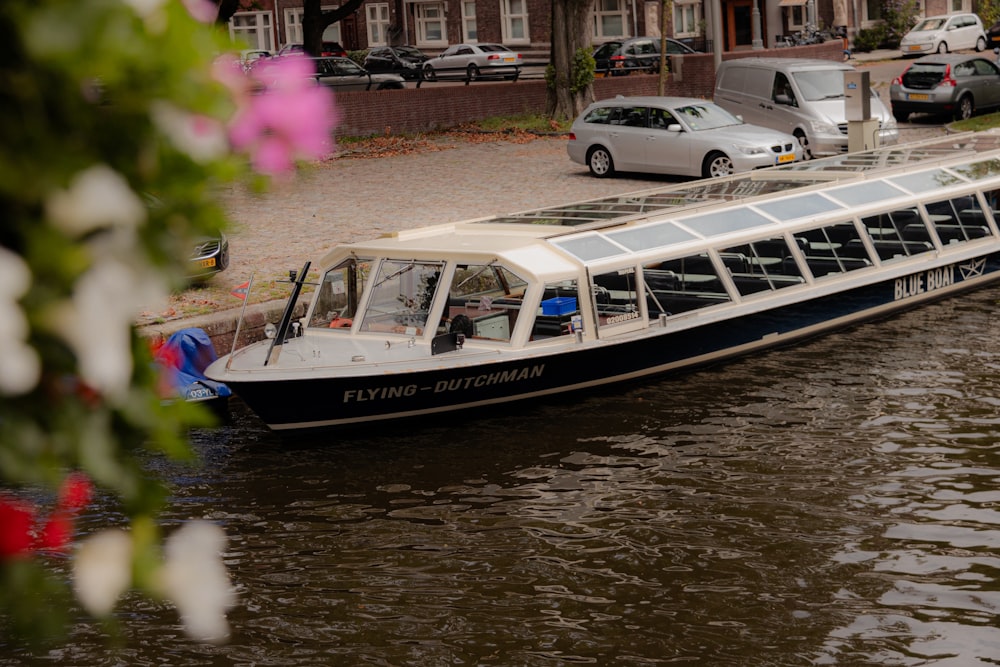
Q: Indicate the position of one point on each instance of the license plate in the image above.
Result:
(915, 47)
(789, 157)
(508, 60)
(917, 97)
(206, 263)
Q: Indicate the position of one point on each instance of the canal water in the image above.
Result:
(835, 503)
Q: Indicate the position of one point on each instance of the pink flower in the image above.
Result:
(291, 118)
(202, 10)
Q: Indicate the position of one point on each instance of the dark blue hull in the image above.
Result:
(313, 401)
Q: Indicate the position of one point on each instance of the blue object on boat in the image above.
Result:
(184, 357)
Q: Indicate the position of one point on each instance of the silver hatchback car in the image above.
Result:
(673, 135)
(954, 84)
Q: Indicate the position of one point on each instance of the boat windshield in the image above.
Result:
(336, 303)
(401, 297)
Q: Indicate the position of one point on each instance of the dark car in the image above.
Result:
(405, 61)
(328, 49)
(993, 36)
(948, 83)
(210, 256)
(636, 54)
(345, 74)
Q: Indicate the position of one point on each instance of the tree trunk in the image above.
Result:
(571, 31)
(315, 21)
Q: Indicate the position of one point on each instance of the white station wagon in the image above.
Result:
(673, 135)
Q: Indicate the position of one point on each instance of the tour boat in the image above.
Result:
(480, 313)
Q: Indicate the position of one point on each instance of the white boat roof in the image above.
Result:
(557, 239)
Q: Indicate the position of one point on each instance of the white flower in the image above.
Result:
(102, 570)
(201, 137)
(19, 361)
(97, 197)
(97, 323)
(195, 578)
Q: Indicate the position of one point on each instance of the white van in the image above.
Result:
(799, 96)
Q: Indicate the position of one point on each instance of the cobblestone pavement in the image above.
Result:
(352, 199)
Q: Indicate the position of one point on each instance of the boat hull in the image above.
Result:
(323, 400)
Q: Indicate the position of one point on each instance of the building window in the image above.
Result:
(469, 33)
(872, 12)
(378, 24)
(959, 6)
(293, 26)
(254, 28)
(797, 18)
(430, 25)
(515, 21)
(609, 19)
(687, 18)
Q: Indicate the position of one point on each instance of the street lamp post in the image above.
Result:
(757, 43)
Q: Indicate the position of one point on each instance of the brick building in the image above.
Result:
(523, 25)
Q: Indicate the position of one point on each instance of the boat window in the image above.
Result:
(731, 220)
(895, 235)
(651, 236)
(833, 249)
(859, 194)
(338, 296)
(925, 181)
(616, 299)
(590, 247)
(799, 207)
(401, 297)
(958, 219)
(560, 302)
(681, 285)
(760, 266)
(484, 301)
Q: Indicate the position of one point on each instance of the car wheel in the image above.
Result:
(473, 72)
(429, 74)
(900, 116)
(966, 108)
(600, 162)
(804, 142)
(717, 164)
(980, 44)
(942, 47)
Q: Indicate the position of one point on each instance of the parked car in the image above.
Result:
(941, 34)
(802, 96)
(248, 57)
(950, 83)
(673, 135)
(473, 61)
(328, 49)
(209, 256)
(405, 61)
(345, 74)
(622, 57)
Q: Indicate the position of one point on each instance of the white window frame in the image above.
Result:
(470, 31)
(601, 11)
(510, 18)
(293, 26)
(683, 10)
(966, 7)
(427, 14)
(258, 26)
(377, 21)
(797, 18)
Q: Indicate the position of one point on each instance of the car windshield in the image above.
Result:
(929, 24)
(407, 51)
(827, 84)
(705, 116)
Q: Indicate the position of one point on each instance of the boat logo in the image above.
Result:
(973, 268)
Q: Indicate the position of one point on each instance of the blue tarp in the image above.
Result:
(184, 358)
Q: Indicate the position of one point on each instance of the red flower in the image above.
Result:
(16, 520)
(75, 493)
(55, 533)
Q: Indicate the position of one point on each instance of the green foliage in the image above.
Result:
(581, 72)
(358, 56)
(869, 39)
(989, 11)
(83, 82)
(898, 16)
